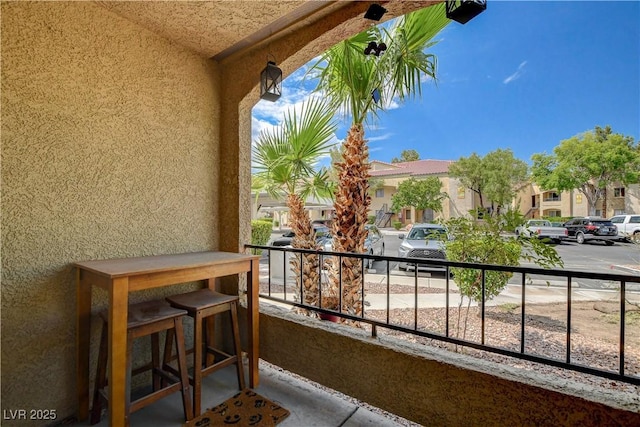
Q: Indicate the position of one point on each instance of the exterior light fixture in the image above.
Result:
(463, 11)
(271, 82)
(374, 48)
(375, 12)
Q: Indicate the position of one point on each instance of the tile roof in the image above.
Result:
(418, 167)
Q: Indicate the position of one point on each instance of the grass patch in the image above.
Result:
(508, 307)
(632, 318)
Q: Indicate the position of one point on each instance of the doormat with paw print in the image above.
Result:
(246, 408)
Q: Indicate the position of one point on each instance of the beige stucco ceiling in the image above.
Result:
(218, 28)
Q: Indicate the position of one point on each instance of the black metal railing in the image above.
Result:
(618, 373)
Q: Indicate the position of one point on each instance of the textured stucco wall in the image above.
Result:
(110, 148)
(429, 386)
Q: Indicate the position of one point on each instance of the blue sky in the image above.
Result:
(522, 75)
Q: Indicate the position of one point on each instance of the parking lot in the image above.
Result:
(621, 258)
(590, 256)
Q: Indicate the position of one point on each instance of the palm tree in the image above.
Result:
(285, 159)
(348, 78)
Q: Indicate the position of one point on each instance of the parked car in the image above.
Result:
(325, 222)
(586, 229)
(628, 226)
(322, 234)
(423, 241)
(542, 229)
(374, 244)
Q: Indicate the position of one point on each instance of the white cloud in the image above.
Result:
(516, 75)
(380, 137)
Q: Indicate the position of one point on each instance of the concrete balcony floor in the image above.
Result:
(309, 405)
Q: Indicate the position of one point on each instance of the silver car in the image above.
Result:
(423, 241)
(374, 244)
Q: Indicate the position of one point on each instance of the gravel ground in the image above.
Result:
(594, 337)
(543, 337)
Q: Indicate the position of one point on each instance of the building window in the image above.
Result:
(598, 212)
(578, 198)
(551, 196)
(460, 192)
(407, 214)
(380, 192)
(618, 211)
(618, 192)
(555, 213)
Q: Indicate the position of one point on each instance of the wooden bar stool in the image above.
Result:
(147, 318)
(203, 305)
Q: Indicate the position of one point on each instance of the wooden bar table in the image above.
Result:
(119, 277)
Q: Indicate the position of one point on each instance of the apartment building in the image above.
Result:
(391, 175)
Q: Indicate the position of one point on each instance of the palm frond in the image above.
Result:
(348, 77)
(286, 157)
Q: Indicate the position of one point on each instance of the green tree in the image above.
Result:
(349, 78)
(484, 243)
(496, 178)
(588, 162)
(406, 156)
(421, 194)
(285, 159)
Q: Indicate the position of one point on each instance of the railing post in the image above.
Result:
(415, 299)
(522, 314)
(623, 312)
(483, 271)
(569, 292)
(446, 304)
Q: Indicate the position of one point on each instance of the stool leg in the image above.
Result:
(127, 390)
(236, 342)
(101, 375)
(182, 367)
(210, 335)
(197, 363)
(168, 350)
(155, 361)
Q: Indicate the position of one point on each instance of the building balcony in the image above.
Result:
(324, 371)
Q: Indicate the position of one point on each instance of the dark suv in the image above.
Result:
(583, 229)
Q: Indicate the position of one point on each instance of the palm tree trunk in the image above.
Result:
(352, 206)
(304, 238)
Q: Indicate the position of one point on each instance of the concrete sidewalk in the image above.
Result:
(537, 291)
(512, 294)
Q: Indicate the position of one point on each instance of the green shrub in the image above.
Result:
(397, 225)
(260, 232)
(371, 219)
(512, 219)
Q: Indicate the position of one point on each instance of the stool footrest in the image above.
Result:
(219, 365)
(156, 395)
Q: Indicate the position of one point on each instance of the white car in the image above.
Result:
(628, 226)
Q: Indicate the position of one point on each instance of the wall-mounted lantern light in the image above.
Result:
(271, 82)
(463, 11)
(375, 12)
